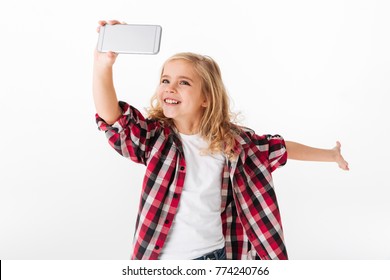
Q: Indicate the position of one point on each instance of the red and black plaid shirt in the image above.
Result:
(250, 215)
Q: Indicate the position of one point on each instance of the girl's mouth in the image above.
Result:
(171, 101)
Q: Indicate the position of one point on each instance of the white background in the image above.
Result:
(312, 71)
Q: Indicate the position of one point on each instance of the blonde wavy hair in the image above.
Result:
(216, 125)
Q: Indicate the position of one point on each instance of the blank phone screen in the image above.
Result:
(126, 38)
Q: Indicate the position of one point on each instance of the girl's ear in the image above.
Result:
(205, 104)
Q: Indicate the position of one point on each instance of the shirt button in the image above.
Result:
(182, 168)
(166, 221)
(175, 195)
(156, 247)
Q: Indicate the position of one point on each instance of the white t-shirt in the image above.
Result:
(197, 228)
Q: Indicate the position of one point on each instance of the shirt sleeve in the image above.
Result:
(273, 149)
(131, 135)
(277, 151)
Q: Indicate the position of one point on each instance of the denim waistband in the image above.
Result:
(219, 254)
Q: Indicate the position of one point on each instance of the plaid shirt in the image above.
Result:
(250, 216)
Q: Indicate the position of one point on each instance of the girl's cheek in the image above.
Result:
(161, 89)
(160, 94)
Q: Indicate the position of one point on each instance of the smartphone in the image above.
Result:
(130, 38)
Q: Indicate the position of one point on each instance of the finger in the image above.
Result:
(102, 22)
(344, 166)
(114, 22)
(111, 54)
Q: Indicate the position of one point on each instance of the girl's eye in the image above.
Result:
(185, 83)
(164, 81)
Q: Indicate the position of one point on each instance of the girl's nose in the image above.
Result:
(170, 89)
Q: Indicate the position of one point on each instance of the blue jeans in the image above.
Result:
(219, 254)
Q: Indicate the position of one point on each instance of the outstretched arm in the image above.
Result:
(104, 94)
(301, 152)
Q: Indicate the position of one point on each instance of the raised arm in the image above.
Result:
(301, 152)
(104, 95)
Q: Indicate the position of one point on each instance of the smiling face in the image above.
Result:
(180, 95)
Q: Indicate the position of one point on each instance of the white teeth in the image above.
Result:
(171, 101)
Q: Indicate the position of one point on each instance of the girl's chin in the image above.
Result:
(169, 113)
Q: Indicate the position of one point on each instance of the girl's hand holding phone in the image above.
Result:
(105, 59)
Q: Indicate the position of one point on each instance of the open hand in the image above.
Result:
(343, 164)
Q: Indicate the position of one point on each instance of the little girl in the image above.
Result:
(208, 190)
